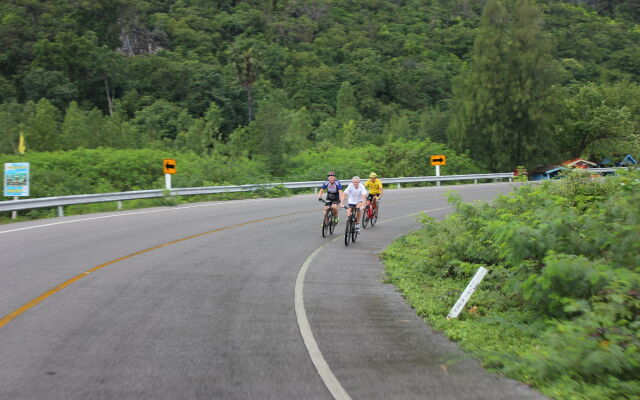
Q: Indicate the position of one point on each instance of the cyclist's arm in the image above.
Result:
(342, 196)
(381, 190)
(322, 188)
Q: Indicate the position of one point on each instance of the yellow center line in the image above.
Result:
(34, 302)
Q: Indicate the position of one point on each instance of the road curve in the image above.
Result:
(197, 301)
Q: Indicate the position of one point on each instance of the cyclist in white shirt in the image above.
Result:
(357, 195)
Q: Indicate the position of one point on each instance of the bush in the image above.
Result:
(563, 258)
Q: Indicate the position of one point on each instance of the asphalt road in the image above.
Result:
(199, 302)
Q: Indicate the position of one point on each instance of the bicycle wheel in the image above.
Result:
(332, 224)
(347, 232)
(325, 224)
(365, 217)
(374, 218)
(354, 235)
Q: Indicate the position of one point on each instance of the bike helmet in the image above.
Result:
(373, 175)
(331, 174)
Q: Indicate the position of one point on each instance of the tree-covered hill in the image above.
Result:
(271, 78)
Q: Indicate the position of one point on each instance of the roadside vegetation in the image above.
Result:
(106, 170)
(560, 307)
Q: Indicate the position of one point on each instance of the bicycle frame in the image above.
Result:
(350, 232)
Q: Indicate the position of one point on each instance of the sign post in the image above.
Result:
(437, 161)
(16, 182)
(169, 168)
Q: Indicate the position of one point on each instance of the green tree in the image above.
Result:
(501, 105)
(269, 127)
(433, 124)
(10, 123)
(245, 59)
(590, 126)
(196, 139)
(299, 131)
(7, 90)
(53, 85)
(346, 104)
(400, 127)
(42, 126)
(118, 133)
(161, 122)
(327, 130)
(75, 128)
(202, 135)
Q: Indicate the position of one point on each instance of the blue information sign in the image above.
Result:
(16, 179)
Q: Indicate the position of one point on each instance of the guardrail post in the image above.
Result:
(399, 187)
(14, 214)
(315, 190)
(475, 181)
(119, 205)
(60, 211)
(510, 179)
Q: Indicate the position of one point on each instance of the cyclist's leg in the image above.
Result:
(334, 208)
(358, 212)
(373, 200)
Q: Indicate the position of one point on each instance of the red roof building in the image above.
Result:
(579, 163)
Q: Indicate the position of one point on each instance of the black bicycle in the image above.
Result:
(328, 224)
(350, 231)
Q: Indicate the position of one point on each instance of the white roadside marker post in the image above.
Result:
(466, 295)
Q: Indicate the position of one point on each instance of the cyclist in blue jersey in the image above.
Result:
(334, 194)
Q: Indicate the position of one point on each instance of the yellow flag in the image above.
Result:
(21, 146)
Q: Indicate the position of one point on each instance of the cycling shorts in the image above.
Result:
(371, 196)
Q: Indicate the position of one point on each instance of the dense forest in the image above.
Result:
(274, 84)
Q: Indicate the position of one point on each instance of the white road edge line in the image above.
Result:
(327, 376)
(125, 214)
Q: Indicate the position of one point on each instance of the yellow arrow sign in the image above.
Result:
(169, 166)
(439, 160)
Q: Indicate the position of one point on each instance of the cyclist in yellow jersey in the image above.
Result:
(374, 187)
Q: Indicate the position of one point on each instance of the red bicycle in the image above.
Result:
(370, 214)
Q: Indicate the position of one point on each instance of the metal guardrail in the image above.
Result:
(601, 170)
(62, 201)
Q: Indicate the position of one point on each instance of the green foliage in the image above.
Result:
(563, 292)
(362, 72)
(108, 170)
(521, 174)
(592, 125)
(395, 158)
(501, 105)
